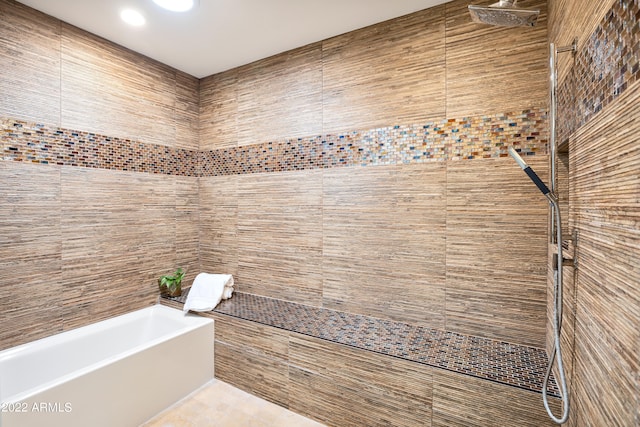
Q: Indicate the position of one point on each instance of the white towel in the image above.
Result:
(207, 290)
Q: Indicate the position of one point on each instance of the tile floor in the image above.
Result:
(222, 405)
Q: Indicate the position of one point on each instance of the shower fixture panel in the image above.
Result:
(556, 228)
(506, 13)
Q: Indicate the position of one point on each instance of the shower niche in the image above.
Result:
(563, 192)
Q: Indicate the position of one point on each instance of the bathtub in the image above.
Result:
(117, 372)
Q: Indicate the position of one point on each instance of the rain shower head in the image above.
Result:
(504, 13)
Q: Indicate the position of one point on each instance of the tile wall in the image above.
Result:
(288, 165)
(85, 234)
(319, 178)
(340, 385)
(599, 96)
(394, 199)
(332, 153)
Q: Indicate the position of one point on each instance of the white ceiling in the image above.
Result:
(221, 34)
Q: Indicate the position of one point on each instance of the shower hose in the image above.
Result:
(556, 353)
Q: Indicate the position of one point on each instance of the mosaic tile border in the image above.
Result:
(37, 143)
(477, 137)
(453, 139)
(505, 363)
(603, 69)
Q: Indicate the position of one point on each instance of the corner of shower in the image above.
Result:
(507, 13)
(556, 238)
(559, 243)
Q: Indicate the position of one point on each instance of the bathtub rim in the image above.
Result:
(190, 322)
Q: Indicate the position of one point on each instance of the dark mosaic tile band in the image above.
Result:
(37, 143)
(453, 139)
(516, 365)
(603, 69)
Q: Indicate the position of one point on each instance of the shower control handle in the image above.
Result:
(566, 262)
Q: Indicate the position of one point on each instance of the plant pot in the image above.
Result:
(166, 292)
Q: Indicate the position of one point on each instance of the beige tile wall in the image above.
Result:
(118, 238)
(187, 230)
(400, 242)
(496, 239)
(34, 56)
(433, 244)
(218, 110)
(280, 235)
(384, 231)
(281, 96)
(461, 401)
(429, 65)
(601, 339)
(246, 351)
(605, 206)
(492, 69)
(218, 226)
(57, 74)
(186, 112)
(32, 286)
(389, 73)
(101, 94)
(86, 244)
(339, 385)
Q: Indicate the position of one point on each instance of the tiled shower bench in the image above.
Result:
(352, 370)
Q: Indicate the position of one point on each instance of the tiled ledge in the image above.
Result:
(511, 364)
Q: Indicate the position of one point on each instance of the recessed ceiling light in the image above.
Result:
(176, 5)
(132, 17)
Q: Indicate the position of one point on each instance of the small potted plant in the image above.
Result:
(171, 284)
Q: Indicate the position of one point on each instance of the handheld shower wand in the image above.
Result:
(557, 301)
(530, 172)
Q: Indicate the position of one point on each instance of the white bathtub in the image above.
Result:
(115, 373)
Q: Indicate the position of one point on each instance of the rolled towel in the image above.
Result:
(228, 291)
(206, 291)
(228, 288)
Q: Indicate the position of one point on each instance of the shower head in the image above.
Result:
(504, 13)
(530, 172)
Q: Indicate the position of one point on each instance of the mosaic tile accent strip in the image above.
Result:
(38, 143)
(603, 69)
(516, 365)
(453, 139)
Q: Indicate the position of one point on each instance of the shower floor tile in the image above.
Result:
(222, 405)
